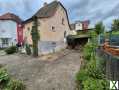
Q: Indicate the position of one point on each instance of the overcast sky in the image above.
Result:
(93, 10)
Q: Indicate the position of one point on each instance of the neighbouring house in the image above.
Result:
(11, 30)
(79, 26)
(53, 26)
(79, 34)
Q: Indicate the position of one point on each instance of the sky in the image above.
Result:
(93, 10)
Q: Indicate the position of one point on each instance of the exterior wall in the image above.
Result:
(46, 24)
(82, 25)
(79, 26)
(50, 39)
(46, 47)
(85, 25)
(20, 34)
(27, 32)
(8, 29)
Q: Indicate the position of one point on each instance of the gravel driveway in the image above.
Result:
(55, 72)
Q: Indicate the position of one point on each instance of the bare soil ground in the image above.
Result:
(51, 72)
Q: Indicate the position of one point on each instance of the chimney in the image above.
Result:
(45, 3)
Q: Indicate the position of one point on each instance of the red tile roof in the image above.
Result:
(10, 16)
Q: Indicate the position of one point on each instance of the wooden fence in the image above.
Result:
(111, 65)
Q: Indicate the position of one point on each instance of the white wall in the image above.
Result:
(78, 26)
(8, 29)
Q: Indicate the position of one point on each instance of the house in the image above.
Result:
(80, 25)
(11, 31)
(53, 26)
(79, 34)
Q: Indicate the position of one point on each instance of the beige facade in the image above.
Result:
(27, 32)
(53, 28)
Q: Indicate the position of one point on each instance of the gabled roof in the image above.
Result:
(10, 16)
(48, 10)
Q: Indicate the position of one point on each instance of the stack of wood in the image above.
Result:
(109, 49)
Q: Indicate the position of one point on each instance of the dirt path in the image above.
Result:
(37, 74)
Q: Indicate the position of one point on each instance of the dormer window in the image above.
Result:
(62, 21)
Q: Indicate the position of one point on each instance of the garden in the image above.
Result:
(92, 72)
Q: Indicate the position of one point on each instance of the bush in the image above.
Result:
(28, 49)
(91, 77)
(95, 84)
(101, 64)
(81, 75)
(4, 77)
(15, 85)
(11, 50)
(93, 71)
(88, 49)
(6, 83)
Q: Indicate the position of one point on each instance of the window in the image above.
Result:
(53, 44)
(53, 28)
(4, 41)
(62, 21)
(28, 29)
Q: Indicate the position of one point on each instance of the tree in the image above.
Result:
(115, 25)
(99, 28)
(35, 36)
